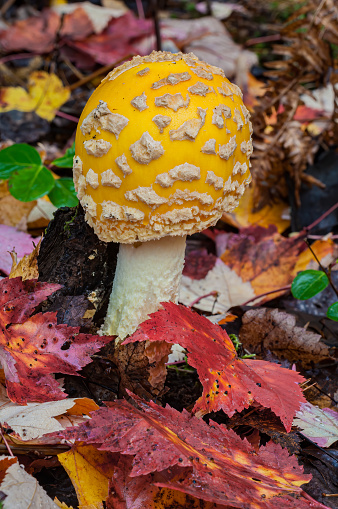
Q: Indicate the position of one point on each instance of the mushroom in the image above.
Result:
(162, 150)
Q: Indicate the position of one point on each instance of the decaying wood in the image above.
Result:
(72, 255)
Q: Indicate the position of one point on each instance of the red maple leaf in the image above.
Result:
(34, 347)
(208, 462)
(229, 383)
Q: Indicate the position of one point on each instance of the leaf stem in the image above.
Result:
(5, 441)
(282, 289)
(306, 229)
(327, 272)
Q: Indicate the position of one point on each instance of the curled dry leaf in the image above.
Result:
(205, 461)
(11, 238)
(21, 490)
(229, 383)
(27, 267)
(34, 347)
(275, 330)
(318, 424)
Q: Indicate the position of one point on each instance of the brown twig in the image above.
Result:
(156, 25)
(325, 393)
(5, 441)
(318, 504)
(66, 116)
(260, 40)
(7, 5)
(282, 289)
(17, 56)
(95, 74)
(196, 301)
(306, 229)
(323, 269)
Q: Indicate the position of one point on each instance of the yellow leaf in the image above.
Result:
(323, 249)
(46, 94)
(90, 471)
(243, 216)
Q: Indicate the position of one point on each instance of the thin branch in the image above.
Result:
(282, 289)
(321, 267)
(95, 74)
(5, 441)
(306, 229)
(66, 116)
(196, 301)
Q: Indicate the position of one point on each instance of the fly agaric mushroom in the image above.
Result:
(162, 150)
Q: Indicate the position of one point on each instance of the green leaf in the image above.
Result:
(31, 183)
(332, 312)
(308, 283)
(63, 193)
(18, 157)
(66, 161)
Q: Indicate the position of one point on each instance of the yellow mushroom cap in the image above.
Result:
(162, 148)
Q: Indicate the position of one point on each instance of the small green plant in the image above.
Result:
(239, 349)
(28, 178)
(309, 283)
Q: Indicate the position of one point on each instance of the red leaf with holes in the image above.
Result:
(34, 347)
(229, 383)
(208, 462)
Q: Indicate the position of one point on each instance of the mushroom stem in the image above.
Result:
(147, 274)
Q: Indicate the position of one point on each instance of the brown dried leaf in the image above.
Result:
(27, 267)
(274, 330)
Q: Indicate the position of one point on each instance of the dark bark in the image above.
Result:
(72, 255)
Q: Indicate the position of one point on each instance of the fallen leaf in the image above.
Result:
(140, 492)
(32, 421)
(198, 263)
(21, 490)
(27, 267)
(231, 290)
(34, 347)
(46, 94)
(97, 15)
(209, 40)
(243, 216)
(13, 212)
(261, 256)
(36, 33)
(274, 330)
(118, 41)
(229, 383)
(318, 424)
(253, 262)
(13, 239)
(90, 471)
(213, 463)
(323, 249)
(266, 422)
